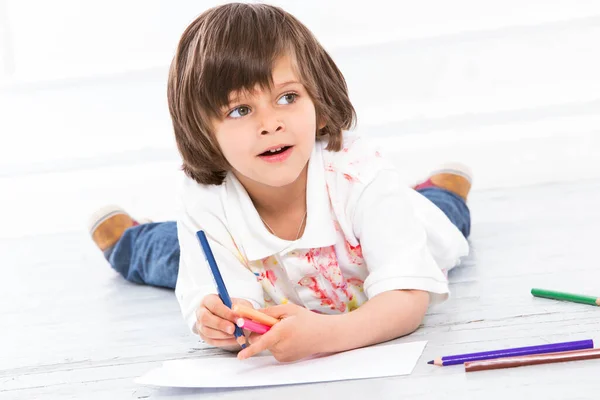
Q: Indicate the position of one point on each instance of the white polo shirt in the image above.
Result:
(365, 234)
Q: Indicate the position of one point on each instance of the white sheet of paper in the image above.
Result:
(229, 372)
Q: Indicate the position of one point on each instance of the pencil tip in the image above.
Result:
(241, 341)
(430, 362)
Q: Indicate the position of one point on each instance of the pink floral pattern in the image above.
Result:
(326, 280)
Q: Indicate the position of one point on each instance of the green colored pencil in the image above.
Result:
(576, 298)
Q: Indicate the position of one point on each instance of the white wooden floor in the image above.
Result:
(509, 87)
(73, 329)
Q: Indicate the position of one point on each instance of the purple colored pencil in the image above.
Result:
(519, 351)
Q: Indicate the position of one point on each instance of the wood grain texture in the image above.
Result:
(71, 328)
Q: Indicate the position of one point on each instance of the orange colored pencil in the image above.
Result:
(254, 315)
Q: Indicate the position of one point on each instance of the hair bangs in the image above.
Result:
(240, 54)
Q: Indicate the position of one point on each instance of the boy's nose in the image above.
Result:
(271, 125)
(276, 128)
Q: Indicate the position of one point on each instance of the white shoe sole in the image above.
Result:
(455, 168)
(102, 215)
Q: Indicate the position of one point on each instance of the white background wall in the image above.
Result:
(511, 87)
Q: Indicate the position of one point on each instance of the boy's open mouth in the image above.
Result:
(274, 151)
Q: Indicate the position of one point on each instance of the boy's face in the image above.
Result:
(267, 136)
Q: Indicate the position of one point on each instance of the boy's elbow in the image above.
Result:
(421, 299)
(419, 305)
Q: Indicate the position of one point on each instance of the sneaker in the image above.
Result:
(453, 177)
(107, 225)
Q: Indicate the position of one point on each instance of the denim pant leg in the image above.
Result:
(147, 254)
(452, 205)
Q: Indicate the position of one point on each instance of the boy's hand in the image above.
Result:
(215, 322)
(299, 334)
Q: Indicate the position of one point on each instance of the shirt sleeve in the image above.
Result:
(195, 279)
(394, 242)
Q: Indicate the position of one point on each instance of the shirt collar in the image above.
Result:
(249, 231)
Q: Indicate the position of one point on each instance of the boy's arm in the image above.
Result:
(301, 332)
(384, 317)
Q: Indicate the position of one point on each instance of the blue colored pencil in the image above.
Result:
(519, 351)
(221, 289)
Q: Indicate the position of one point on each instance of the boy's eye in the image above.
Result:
(287, 98)
(239, 112)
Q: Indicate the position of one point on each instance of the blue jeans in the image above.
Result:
(149, 253)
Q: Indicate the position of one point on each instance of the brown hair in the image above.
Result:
(233, 48)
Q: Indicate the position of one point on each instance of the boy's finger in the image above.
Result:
(242, 302)
(263, 343)
(206, 332)
(231, 343)
(208, 319)
(216, 306)
(253, 336)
